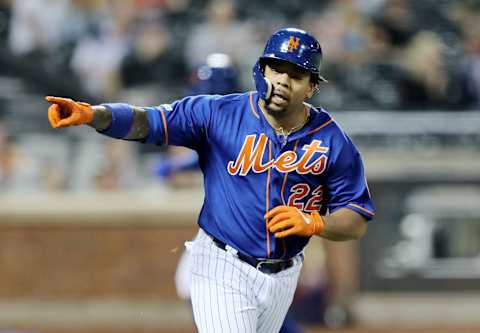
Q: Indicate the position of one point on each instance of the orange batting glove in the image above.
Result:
(65, 112)
(287, 220)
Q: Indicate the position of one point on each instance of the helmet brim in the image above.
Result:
(314, 71)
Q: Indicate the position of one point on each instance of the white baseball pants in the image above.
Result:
(229, 295)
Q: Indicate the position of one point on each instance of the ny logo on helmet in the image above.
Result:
(293, 43)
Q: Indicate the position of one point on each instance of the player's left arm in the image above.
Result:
(344, 224)
(349, 201)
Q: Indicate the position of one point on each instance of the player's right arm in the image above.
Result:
(65, 112)
(102, 119)
(188, 119)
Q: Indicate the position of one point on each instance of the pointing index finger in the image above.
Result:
(58, 100)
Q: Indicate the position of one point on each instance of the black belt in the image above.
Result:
(268, 266)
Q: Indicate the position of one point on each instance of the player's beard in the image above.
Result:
(279, 103)
(276, 110)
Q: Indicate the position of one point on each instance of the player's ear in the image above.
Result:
(313, 88)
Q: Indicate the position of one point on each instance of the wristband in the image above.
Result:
(318, 223)
(155, 124)
(122, 120)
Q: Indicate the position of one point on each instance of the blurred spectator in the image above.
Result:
(26, 167)
(328, 284)
(5, 15)
(427, 83)
(375, 58)
(35, 25)
(216, 76)
(96, 61)
(168, 6)
(222, 32)
(353, 49)
(471, 66)
(346, 35)
(396, 18)
(8, 160)
(470, 69)
(39, 45)
(103, 164)
(98, 56)
(152, 59)
(118, 170)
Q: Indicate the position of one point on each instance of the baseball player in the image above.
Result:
(277, 171)
(216, 76)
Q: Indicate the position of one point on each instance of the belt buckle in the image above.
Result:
(259, 265)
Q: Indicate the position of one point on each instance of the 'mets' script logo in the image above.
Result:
(251, 155)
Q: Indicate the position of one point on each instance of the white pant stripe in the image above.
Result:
(217, 292)
(227, 303)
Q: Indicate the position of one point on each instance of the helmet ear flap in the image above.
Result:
(269, 91)
(262, 84)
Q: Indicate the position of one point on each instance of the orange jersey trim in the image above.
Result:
(164, 126)
(253, 106)
(362, 209)
(320, 127)
(267, 197)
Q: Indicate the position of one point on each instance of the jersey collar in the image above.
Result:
(316, 119)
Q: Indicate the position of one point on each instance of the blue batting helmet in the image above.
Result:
(216, 76)
(295, 46)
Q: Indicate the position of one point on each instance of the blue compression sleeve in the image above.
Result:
(122, 120)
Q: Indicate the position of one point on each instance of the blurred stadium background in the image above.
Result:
(89, 238)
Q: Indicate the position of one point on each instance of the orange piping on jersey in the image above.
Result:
(253, 107)
(320, 127)
(282, 193)
(362, 209)
(266, 200)
(164, 126)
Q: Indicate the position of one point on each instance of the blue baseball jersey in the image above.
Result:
(248, 169)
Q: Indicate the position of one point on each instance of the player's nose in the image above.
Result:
(283, 79)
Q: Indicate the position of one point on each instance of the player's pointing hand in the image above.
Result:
(65, 112)
(287, 220)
